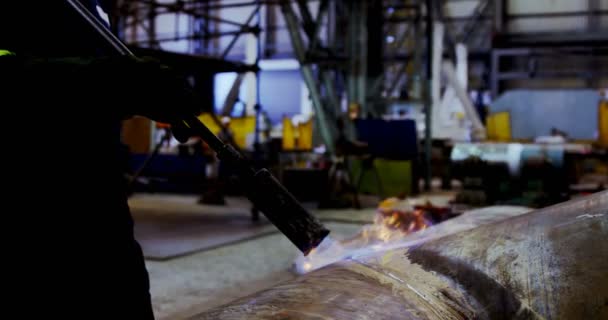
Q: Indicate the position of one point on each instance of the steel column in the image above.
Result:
(307, 74)
(270, 41)
(233, 95)
(494, 71)
(314, 39)
(428, 137)
(312, 28)
(352, 54)
(152, 26)
(473, 24)
(330, 90)
(362, 58)
(499, 15)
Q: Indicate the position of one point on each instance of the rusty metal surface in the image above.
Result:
(351, 290)
(548, 264)
(551, 262)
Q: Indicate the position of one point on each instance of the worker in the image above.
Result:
(73, 254)
(346, 146)
(217, 174)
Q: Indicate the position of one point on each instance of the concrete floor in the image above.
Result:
(184, 286)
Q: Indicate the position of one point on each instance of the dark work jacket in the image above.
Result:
(62, 164)
(63, 180)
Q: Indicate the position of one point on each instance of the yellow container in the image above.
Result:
(603, 124)
(499, 126)
(241, 128)
(297, 137)
(305, 135)
(289, 135)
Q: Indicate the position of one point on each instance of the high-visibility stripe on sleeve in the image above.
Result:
(6, 53)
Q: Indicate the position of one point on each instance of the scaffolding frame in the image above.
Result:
(333, 47)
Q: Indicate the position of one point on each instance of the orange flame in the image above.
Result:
(394, 219)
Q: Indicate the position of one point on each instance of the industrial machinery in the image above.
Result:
(531, 174)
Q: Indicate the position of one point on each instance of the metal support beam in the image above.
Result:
(428, 137)
(312, 28)
(436, 58)
(405, 63)
(233, 95)
(446, 19)
(593, 25)
(314, 37)
(580, 14)
(270, 41)
(357, 53)
(400, 74)
(473, 24)
(374, 12)
(362, 58)
(258, 104)
(500, 14)
(203, 12)
(331, 26)
(152, 26)
(415, 67)
(235, 34)
(307, 74)
(590, 71)
(307, 20)
(494, 71)
(351, 53)
(134, 23)
(200, 28)
(479, 131)
(330, 91)
(244, 28)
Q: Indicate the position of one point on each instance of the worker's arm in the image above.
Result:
(122, 86)
(146, 87)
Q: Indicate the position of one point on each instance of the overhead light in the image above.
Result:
(279, 64)
(390, 39)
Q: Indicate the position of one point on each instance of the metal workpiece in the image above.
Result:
(550, 263)
(546, 264)
(352, 290)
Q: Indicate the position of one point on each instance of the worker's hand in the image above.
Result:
(147, 88)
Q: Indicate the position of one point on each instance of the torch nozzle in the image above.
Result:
(282, 209)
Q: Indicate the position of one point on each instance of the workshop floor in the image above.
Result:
(190, 284)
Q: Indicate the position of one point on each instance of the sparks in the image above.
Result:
(394, 219)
